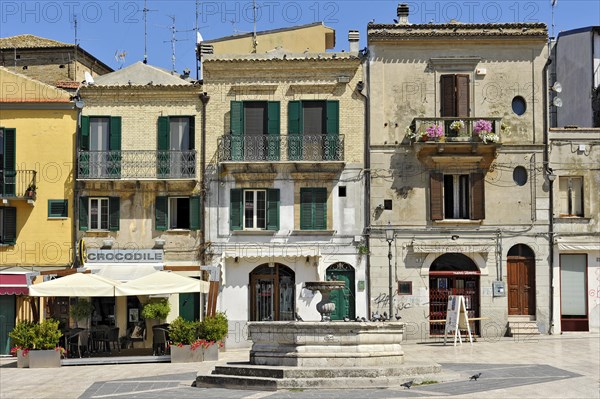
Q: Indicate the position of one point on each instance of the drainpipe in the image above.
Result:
(204, 98)
(547, 172)
(79, 104)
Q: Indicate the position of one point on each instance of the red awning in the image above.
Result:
(13, 284)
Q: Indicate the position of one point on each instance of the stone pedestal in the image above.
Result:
(22, 359)
(330, 344)
(44, 358)
(185, 354)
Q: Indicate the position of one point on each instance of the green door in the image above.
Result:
(7, 321)
(189, 306)
(343, 299)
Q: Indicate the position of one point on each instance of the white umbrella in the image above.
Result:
(161, 282)
(76, 285)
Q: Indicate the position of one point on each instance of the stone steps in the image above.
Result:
(274, 378)
(522, 326)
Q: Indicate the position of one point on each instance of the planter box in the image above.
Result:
(211, 353)
(22, 360)
(44, 358)
(185, 354)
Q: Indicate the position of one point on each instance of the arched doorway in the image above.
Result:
(272, 293)
(521, 281)
(343, 299)
(452, 274)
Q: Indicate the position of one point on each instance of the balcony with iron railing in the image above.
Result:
(486, 130)
(136, 164)
(18, 184)
(271, 148)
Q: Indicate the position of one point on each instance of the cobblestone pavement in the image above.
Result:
(565, 366)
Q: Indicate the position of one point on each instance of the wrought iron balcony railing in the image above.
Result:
(136, 164)
(265, 148)
(450, 129)
(18, 184)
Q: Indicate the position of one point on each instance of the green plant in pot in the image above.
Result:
(22, 342)
(46, 335)
(156, 309)
(81, 310)
(186, 346)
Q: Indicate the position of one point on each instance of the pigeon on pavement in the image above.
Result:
(407, 384)
(475, 377)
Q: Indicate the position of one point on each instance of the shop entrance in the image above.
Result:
(452, 274)
(344, 298)
(272, 293)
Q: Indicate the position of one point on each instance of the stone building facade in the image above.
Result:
(467, 201)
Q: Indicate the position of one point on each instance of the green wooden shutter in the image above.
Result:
(114, 146)
(320, 208)
(306, 209)
(83, 213)
(114, 213)
(192, 133)
(235, 209)
(273, 209)
(58, 208)
(236, 123)
(195, 213)
(477, 196)
(295, 127)
(9, 221)
(161, 213)
(273, 130)
(84, 134)
(163, 164)
(10, 153)
(332, 140)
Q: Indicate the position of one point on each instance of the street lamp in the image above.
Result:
(389, 237)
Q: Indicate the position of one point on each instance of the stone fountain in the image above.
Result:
(325, 307)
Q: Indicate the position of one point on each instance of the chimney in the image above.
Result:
(402, 12)
(353, 39)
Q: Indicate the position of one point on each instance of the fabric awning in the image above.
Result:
(123, 271)
(581, 244)
(76, 285)
(450, 246)
(13, 284)
(162, 282)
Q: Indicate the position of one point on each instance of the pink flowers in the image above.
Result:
(482, 127)
(14, 350)
(434, 131)
(199, 343)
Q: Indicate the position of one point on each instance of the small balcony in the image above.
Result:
(18, 184)
(297, 148)
(136, 164)
(486, 130)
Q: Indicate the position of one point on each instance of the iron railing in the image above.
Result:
(467, 133)
(18, 184)
(136, 164)
(266, 148)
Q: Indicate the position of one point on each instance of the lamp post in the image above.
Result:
(389, 237)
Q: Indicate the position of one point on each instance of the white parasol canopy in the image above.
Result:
(76, 285)
(161, 282)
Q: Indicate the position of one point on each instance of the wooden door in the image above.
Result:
(521, 286)
(344, 298)
(7, 321)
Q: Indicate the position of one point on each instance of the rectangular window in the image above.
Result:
(58, 209)
(255, 131)
(255, 209)
(177, 213)
(342, 191)
(8, 225)
(313, 130)
(98, 214)
(571, 195)
(255, 117)
(313, 208)
(8, 141)
(454, 96)
(176, 142)
(404, 287)
(457, 196)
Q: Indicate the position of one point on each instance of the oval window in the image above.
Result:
(520, 175)
(519, 106)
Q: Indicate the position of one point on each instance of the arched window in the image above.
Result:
(272, 293)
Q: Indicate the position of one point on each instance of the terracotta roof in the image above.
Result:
(281, 57)
(30, 41)
(67, 84)
(456, 30)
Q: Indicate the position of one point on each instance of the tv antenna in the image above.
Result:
(254, 42)
(145, 11)
(76, 45)
(173, 41)
(120, 57)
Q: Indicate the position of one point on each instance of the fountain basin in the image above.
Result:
(331, 344)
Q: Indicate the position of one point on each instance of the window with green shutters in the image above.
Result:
(313, 130)
(99, 213)
(58, 209)
(313, 208)
(176, 138)
(8, 226)
(254, 209)
(178, 213)
(255, 130)
(8, 147)
(100, 146)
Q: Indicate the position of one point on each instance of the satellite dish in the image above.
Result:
(88, 78)
(79, 104)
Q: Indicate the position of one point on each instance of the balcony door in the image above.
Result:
(7, 162)
(99, 139)
(179, 144)
(100, 147)
(521, 281)
(454, 98)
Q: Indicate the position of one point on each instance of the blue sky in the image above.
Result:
(107, 27)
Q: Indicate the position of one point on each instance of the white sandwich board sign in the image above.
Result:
(457, 319)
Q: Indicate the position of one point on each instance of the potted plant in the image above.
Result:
(46, 352)
(22, 338)
(213, 331)
(157, 310)
(30, 191)
(456, 128)
(435, 132)
(481, 128)
(185, 347)
(81, 310)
